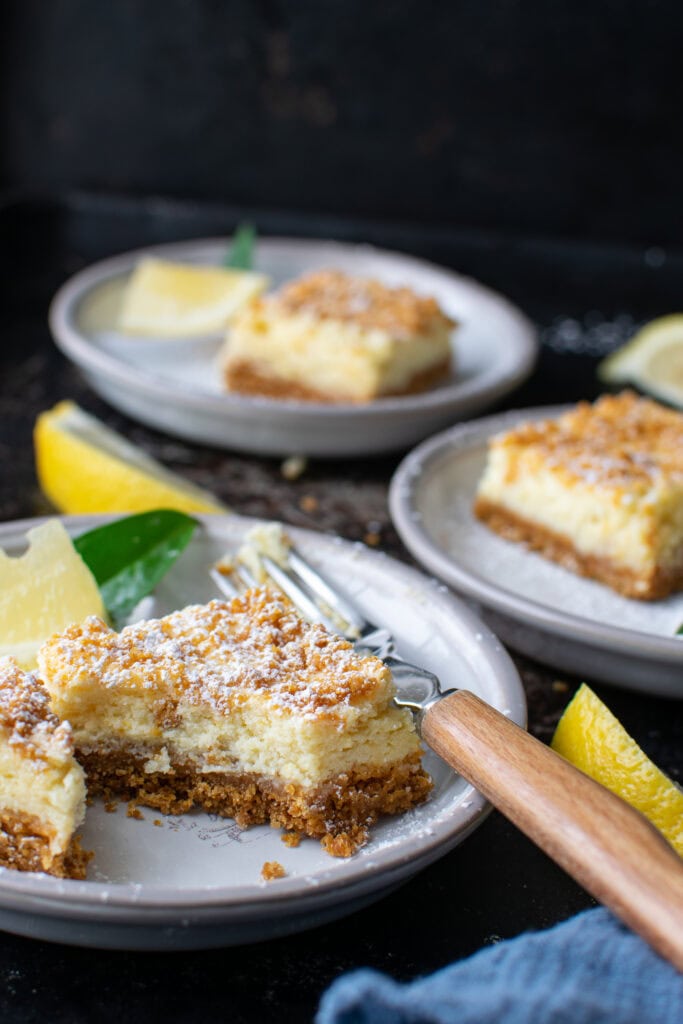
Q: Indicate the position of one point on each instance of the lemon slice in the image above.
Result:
(652, 359)
(43, 591)
(83, 466)
(595, 741)
(175, 300)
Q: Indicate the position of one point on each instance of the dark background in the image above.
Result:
(518, 116)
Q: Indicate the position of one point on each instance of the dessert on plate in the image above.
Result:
(243, 709)
(331, 337)
(598, 489)
(42, 788)
(182, 300)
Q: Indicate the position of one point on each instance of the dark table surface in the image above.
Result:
(496, 884)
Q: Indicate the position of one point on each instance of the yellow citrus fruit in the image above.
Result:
(43, 591)
(590, 736)
(175, 300)
(83, 466)
(652, 359)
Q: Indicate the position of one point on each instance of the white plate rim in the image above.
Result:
(78, 899)
(490, 384)
(405, 516)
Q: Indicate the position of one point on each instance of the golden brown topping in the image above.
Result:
(331, 295)
(620, 441)
(25, 715)
(218, 654)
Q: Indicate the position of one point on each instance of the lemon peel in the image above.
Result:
(175, 300)
(85, 467)
(43, 591)
(595, 741)
(652, 359)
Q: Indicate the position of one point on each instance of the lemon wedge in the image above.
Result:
(175, 300)
(83, 466)
(43, 591)
(590, 736)
(652, 359)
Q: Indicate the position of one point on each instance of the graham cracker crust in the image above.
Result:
(656, 585)
(338, 812)
(25, 846)
(249, 378)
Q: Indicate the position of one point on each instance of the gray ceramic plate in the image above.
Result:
(571, 623)
(194, 880)
(175, 385)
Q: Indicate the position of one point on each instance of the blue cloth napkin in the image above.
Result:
(588, 970)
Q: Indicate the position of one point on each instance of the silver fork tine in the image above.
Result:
(223, 582)
(245, 576)
(226, 583)
(321, 588)
(294, 590)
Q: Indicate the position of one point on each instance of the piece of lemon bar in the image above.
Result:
(330, 337)
(42, 788)
(242, 708)
(598, 489)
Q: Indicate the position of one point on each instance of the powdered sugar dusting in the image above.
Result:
(621, 442)
(220, 653)
(25, 716)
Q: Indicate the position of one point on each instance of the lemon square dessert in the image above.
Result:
(598, 489)
(243, 709)
(331, 337)
(42, 787)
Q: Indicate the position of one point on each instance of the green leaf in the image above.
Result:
(129, 556)
(240, 255)
(679, 631)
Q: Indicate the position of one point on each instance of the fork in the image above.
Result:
(602, 842)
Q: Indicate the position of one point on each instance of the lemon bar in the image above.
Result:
(243, 709)
(176, 300)
(330, 337)
(598, 489)
(42, 787)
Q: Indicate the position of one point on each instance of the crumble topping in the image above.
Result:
(332, 295)
(271, 870)
(620, 442)
(291, 839)
(25, 714)
(219, 653)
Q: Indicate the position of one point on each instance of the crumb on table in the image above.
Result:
(134, 811)
(293, 467)
(272, 869)
(158, 822)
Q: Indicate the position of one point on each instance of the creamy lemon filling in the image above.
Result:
(52, 793)
(602, 481)
(39, 777)
(600, 521)
(241, 686)
(332, 356)
(252, 739)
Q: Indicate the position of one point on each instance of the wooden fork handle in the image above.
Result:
(602, 842)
